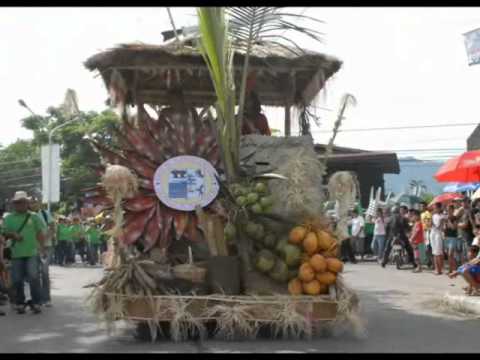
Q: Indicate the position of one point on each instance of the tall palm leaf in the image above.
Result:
(347, 99)
(217, 51)
(250, 25)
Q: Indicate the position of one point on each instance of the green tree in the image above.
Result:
(78, 157)
(20, 169)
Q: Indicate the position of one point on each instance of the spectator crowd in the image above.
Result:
(31, 240)
(443, 237)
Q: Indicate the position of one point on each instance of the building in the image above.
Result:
(370, 167)
(473, 141)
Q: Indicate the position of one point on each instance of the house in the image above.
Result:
(370, 166)
(473, 141)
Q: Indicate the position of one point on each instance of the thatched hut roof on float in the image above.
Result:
(142, 74)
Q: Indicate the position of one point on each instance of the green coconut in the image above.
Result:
(265, 261)
(292, 273)
(259, 232)
(256, 208)
(270, 240)
(279, 272)
(252, 198)
(279, 248)
(292, 255)
(251, 229)
(230, 231)
(266, 201)
(241, 200)
(260, 188)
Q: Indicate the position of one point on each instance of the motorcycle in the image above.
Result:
(399, 255)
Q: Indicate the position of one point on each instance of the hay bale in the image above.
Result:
(294, 157)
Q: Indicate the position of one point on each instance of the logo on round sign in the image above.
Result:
(184, 182)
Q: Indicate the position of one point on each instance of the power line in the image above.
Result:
(420, 150)
(398, 128)
(18, 162)
(20, 170)
(20, 178)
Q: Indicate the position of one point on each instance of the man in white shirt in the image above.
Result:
(358, 233)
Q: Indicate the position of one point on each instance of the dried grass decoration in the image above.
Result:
(289, 323)
(119, 183)
(348, 311)
(234, 322)
(184, 325)
(343, 188)
(300, 195)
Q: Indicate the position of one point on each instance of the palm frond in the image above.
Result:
(347, 99)
(252, 25)
(217, 51)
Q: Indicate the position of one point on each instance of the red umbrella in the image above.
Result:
(463, 168)
(446, 198)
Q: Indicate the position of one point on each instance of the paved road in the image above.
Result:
(396, 304)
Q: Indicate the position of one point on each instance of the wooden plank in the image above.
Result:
(316, 310)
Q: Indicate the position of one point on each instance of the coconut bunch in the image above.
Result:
(253, 195)
(319, 263)
(275, 257)
(251, 198)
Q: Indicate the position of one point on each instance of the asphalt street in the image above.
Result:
(398, 306)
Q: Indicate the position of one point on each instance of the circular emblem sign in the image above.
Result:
(183, 182)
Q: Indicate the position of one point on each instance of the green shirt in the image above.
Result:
(63, 233)
(94, 236)
(76, 232)
(45, 216)
(369, 228)
(29, 244)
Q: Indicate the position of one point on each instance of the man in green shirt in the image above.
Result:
(27, 232)
(78, 236)
(64, 240)
(369, 227)
(94, 239)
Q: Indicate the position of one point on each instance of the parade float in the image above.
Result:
(206, 242)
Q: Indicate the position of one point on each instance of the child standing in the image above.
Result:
(417, 239)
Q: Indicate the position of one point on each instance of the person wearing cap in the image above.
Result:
(27, 231)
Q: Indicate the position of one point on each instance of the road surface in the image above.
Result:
(398, 307)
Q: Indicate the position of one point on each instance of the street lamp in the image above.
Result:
(70, 97)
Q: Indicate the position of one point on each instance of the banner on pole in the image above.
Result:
(51, 173)
(472, 44)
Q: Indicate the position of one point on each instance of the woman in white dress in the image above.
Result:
(436, 238)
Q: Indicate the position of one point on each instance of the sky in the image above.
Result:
(405, 67)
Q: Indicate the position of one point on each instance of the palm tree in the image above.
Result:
(224, 30)
(417, 187)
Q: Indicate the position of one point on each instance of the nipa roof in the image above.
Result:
(145, 72)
